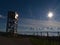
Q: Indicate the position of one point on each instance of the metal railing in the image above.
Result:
(40, 33)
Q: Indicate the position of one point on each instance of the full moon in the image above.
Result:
(50, 14)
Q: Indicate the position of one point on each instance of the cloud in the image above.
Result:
(30, 26)
(1, 16)
(39, 23)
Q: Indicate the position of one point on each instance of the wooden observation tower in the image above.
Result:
(12, 23)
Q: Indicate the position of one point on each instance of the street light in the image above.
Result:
(16, 15)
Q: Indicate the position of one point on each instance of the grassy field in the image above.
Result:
(43, 41)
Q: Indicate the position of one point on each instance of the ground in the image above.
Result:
(28, 40)
(14, 41)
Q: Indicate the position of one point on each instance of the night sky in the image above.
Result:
(29, 9)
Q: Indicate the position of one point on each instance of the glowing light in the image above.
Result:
(50, 14)
(16, 16)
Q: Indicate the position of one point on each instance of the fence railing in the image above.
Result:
(40, 33)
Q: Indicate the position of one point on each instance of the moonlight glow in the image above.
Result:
(50, 14)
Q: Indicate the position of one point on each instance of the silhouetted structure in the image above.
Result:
(12, 21)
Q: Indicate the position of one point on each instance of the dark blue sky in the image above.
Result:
(32, 9)
(36, 9)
